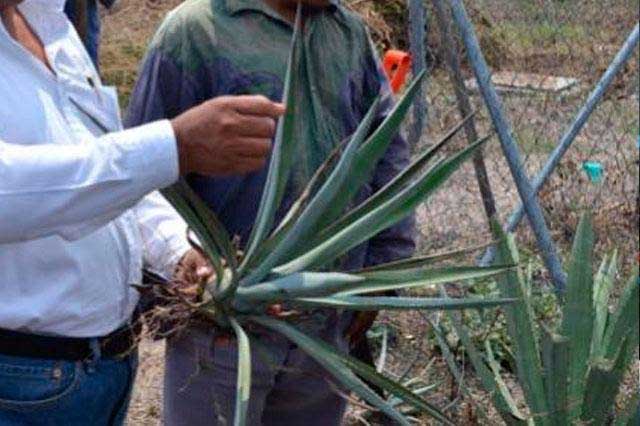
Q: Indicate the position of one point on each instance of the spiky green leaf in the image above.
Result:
(208, 244)
(306, 284)
(603, 385)
(603, 285)
(373, 150)
(243, 386)
(521, 329)
(624, 322)
(555, 352)
(320, 284)
(306, 225)
(346, 365)
(328, 358)
(578, 313)
(282, 157)
(394, 186)
(388, 214)
(360, 303)
(422, 261)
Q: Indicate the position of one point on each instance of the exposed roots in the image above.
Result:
(173, 307)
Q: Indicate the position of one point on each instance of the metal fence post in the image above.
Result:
(449, 46)
(417, 35)
(509, 145)
(623, 56)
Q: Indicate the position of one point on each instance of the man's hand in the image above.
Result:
(227, 135)
(192, 274)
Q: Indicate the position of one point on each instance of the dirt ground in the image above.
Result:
(453, 218)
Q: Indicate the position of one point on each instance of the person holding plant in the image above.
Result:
(233, 47)
(77, 223)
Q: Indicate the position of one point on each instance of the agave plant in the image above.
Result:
(572, 373)
(290, 262)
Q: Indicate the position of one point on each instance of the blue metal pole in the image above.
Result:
(464, 105)
(417, 35)
(509, 145)
(623, 56)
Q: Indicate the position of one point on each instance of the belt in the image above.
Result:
(117, 344)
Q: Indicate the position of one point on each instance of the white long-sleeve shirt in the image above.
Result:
(76, 223)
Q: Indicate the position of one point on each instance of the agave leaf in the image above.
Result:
(417, 277)
(578, 313)
(394, 402)
(328, 358)
(399, 391)
(624, 321)
(212, 224)
(555, 351)
(395, 186)
(373, 150)
(603, 385)
(521, 329)
(347, 366)
(216, 232)
(282, 157)
(358, 303)
(421, 261)
(603, 284)
(305, 284)
(321, 284)
(305, 225)
(378, 219)
(394, 280)
(209, 246)
(243, 387)
(318, 178)
(494, 366)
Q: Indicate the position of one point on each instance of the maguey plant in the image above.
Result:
(289, 263)
(571, 372)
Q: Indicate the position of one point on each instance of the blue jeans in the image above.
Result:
(92, 40)
(48, 392)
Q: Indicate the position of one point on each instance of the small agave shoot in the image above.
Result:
(286, 263)
(570, 374)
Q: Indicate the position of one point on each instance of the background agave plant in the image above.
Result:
(287, 263)
(571, 373)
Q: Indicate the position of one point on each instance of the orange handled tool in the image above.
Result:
(397, 65)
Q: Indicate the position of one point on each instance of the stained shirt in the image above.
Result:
(75, 225)
(209, 48)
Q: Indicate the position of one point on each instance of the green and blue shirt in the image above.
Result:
(210, 48)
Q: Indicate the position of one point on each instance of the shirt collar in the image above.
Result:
(236, 6)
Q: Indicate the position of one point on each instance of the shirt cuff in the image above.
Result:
(153, 153)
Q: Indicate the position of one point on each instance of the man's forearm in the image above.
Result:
(71, 190)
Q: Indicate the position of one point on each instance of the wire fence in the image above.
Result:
(546, 58)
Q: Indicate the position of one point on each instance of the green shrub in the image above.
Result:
(571, 372)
